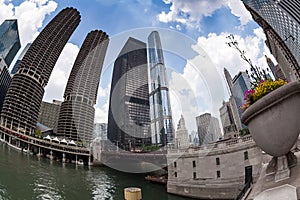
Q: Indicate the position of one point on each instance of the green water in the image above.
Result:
(25, 176)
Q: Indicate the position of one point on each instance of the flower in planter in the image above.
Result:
(261, 83)
(263, 88)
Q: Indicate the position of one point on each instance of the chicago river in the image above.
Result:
(23, 176)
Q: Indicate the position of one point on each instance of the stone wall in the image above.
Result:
(215, 171)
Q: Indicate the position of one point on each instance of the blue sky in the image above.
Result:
(193, 34)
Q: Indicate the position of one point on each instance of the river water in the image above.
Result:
(24, 176)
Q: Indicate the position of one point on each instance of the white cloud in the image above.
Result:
(191, 12)
(30, 23)
(101, 112)
(60, 74)
(201, 87)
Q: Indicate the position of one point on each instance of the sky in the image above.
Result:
(193, 35)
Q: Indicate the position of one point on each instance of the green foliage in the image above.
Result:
(150, 148)
(244, 131)
(38, 133)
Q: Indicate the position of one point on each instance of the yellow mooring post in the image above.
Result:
(133, 193)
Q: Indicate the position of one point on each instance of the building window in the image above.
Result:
(175, 174)
(194, 163)
(175, 164)
(218, 174)
(217, 161)
(246, 155)
(194, 175)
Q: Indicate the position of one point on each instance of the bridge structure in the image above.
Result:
(135, 162)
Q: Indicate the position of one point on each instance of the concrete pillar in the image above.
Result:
(283, 171)
(90, 163)
(63, 157)
(51, 155)
(133, 193)
(9, 139)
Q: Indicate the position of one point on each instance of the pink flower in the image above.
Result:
(248, 93)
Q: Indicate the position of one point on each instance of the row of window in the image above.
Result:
(217, 163)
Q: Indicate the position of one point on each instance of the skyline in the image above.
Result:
(203, 30)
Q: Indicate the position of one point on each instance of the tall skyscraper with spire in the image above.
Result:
(128, 117)
(280, 20)
(162, 130)
(22, 102)
(76, 117)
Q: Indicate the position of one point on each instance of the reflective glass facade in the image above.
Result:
(128, 118)
(208, 128)
(241, 83)
(162, 131)
(5, 79)
(15, 68)
(280, 20)
(9, 40)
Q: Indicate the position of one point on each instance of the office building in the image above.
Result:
(9, 47)
(230, 120)
(100, 131)
(162, 130)
(15, 67)
(276, 71)
(238, 86)
(182, 135)
(49, 113)
(5, 79)
(22, 102)
(76, 118)
(9, 40)
(280, 20)
(208, 128)
(128, 118)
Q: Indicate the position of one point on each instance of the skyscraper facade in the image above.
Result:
(22, 102)
(230, 120)
(238, 86)
(128, 118)
(16, 65)
(49, 113)
(9, 47)
(182, 134)
(100, 131)
(208, 128)
(277, 73)
(162, 130)
(5, 79)
(76, 118)
(280, 20)
(9, 40)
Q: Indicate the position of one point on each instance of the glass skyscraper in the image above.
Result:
(16, 65)
(208, 128)
(22, 103)
(5, 79)
(77, 112)
(280, 20)
(128, 118)
(9, 40)
(9, 46)
(162, 131)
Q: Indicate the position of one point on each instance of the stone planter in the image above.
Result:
(274, 120)
(274, 123)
